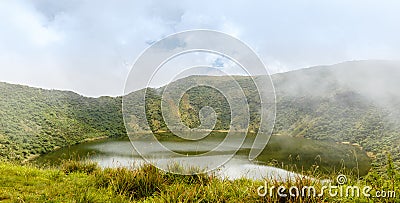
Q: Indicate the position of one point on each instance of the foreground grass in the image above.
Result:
(85, 182)
(31, 184)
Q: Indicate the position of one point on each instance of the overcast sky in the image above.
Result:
(89, 46)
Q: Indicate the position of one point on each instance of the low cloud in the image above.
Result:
(89, 46)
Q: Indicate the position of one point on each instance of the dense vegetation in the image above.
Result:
(353, 102)
(35, 121)
(85, 182)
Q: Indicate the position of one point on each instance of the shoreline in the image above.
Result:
(35, 156)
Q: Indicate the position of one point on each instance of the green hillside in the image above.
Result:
(352, 102)
(35, 121)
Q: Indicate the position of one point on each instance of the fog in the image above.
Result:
(376, 80)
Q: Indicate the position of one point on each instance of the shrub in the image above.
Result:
(72, 166)
(135, 184)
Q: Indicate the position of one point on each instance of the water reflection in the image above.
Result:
(120, 153)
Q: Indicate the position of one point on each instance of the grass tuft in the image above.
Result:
(73, 166)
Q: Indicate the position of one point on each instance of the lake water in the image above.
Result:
(289, 152)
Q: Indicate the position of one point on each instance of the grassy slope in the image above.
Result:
(30, 184)
(78, 182)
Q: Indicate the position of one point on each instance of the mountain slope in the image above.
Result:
(352, 102)
(355, 102)
(35, 121)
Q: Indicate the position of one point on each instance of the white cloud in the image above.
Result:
(88, 46)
